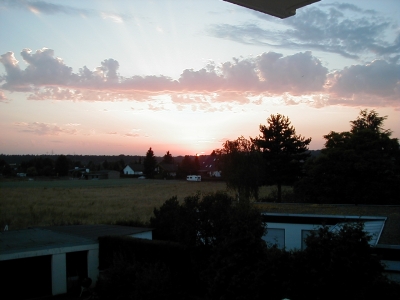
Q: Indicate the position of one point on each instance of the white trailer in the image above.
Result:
(193, 178)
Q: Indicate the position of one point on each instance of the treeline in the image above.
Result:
(58, 165)
(359, 166)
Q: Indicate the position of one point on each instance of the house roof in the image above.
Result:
(209, 164)
(168, 167)
(390, 234)
(136, 167)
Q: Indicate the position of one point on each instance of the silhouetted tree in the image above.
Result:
(186, 167)
(341, 258)
(208, 221)
(167, 158)
(5, 168)
(150, 164)
(242, 167)
(62, 165)
(356, 166)
(283, 151)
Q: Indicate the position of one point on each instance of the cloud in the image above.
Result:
(3, 97)
(343, 29)
(300, 77)
(44, 128)
(113, 17)
(131, 134)
(366, 84)
(43, 7)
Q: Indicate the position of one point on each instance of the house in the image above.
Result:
(38, 262)
(134, 169)
(78, 172)
(289, 224)
(102, 174)
(209, 166)
(167, 170)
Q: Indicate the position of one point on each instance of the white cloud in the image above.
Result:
(113, 17)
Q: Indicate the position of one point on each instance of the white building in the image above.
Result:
(289, 231)
(134, 169)
(40, 262)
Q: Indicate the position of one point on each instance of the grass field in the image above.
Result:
(59, 202)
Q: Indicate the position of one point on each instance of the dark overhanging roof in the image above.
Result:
(277, 8)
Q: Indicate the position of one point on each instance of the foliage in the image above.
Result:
(167, 158)
(242, 167)
(358, 166)
(283, 151)
(227, 258)
(340, 262)
(5, 168)
(138, 281)
(188, 166)
(42, 166)
(287, 195)
(62, 165)
(150, 164)
(209, 221)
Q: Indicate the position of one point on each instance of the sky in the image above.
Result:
(101, 77)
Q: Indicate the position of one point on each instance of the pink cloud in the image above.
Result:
(3, 97)
(44, 128)
(298, 78)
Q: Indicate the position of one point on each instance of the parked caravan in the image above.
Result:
(193, 178)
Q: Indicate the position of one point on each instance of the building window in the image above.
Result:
(275, 236)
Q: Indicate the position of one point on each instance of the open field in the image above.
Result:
(41, 203)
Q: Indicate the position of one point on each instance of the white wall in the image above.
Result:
(93, 265)
(58, 274)
(293, 236)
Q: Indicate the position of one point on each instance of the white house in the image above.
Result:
(47, 261)
(134, 169)
(289, 231)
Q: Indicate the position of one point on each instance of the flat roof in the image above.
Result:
(390, 234)
(37, 241)
(57, 239)
(95, 231)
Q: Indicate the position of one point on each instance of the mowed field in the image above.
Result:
(41, 203)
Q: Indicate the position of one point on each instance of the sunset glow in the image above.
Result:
(119, 77)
